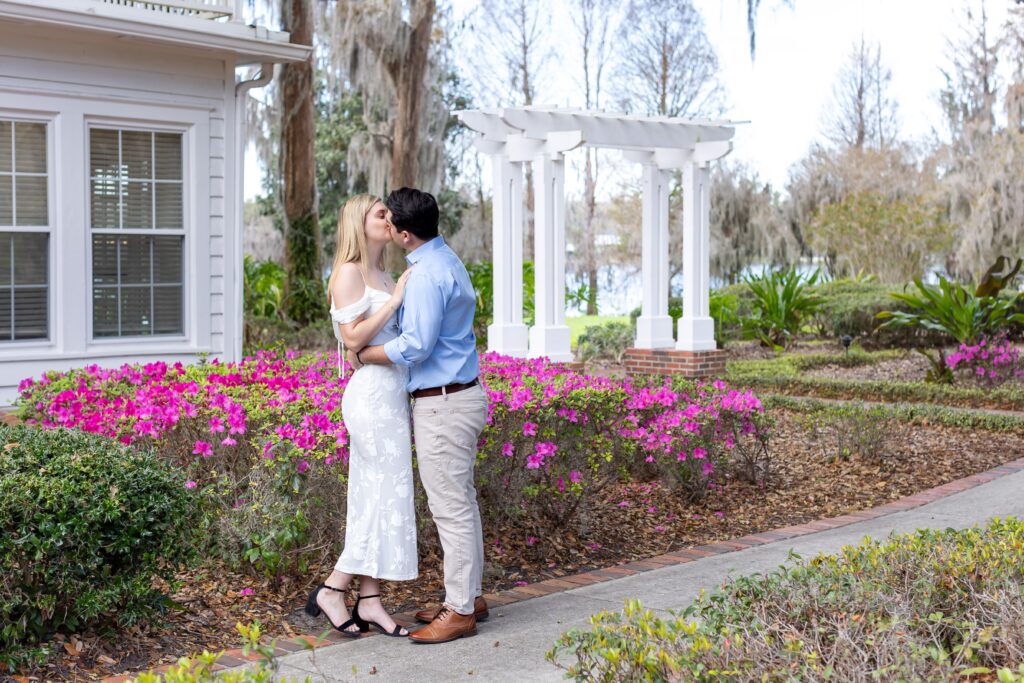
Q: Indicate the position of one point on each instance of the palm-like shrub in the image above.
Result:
(957, 313)
(782, 303)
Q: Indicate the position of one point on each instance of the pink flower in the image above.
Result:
(522, 583)
(531, 540)
(203, 448)
(190, 484)
(216, 424)
(303, 466)
(575, 477)
(245, 592)
(228, 441)
(529, 429)
(507, 449)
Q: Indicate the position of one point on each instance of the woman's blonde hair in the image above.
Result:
(352, 237)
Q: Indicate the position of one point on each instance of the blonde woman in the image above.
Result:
(380, 528)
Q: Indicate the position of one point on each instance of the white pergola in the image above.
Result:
(542, 135)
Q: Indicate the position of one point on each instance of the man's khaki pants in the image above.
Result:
(447, 429)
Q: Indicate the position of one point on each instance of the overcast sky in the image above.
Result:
(786, 91)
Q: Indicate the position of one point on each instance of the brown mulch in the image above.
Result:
(634, 521)
(911, 367)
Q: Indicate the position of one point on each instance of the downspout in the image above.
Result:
(236, 303)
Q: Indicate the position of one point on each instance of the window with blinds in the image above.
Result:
(24, 232)
(138, 237)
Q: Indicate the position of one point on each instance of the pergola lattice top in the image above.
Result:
(541, 135)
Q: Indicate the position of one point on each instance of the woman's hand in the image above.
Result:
(399, 293)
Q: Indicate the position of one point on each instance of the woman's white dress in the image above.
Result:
(380, 529)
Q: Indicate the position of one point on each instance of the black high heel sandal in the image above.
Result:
(314, 610)
(396, 633)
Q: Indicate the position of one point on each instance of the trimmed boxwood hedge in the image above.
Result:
(85, 525)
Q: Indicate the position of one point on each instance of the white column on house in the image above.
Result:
(549, 335)
(507, 334)
(696, 327)
(654, 326)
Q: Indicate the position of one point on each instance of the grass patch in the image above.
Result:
(927, 606)
(578, 323)
(793, 364)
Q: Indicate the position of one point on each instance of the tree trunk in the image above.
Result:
(303, 296)
(408, 72)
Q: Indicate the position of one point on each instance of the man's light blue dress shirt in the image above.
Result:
(437, 343)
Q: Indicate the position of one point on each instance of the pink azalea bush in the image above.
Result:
(265, 439)
(991, 362)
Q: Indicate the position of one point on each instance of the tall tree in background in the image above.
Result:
(303, 298)
(746, 224)
(591, 19)
(984, 161)
(668, 66)
(863, 114)
(385, 49)
(511, 52)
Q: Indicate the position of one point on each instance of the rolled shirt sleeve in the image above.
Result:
(422, 312)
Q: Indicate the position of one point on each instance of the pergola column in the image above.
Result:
(654, 326)
(507, 334)
(549, 335)
(696, 327)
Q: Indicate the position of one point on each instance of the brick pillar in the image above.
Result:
(710, 363)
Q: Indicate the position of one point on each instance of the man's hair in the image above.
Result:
(414, 211)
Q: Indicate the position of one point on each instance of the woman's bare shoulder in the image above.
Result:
(348, 287)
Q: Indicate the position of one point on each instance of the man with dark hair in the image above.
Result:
(438, 346)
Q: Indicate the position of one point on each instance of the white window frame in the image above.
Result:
(53, 284)
(186, 233)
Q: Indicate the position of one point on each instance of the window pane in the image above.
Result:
(168, 156)
(169, 206)
(6, 200)
(6, 276)
(105, 206)
(30, 314)
(30, 147)
(104, 260)
(168, 314)
(136, 315)
(103, 153)
(135, 261)
(30, 266)
(31, 197)
(5, 314)
(167, 253)
(5, 147)
(137, 154)
(138, 205)
(104, 312)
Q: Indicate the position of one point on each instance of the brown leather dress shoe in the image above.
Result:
(426, 616)
(447, 625)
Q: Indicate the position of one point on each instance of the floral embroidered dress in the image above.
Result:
(380, 528)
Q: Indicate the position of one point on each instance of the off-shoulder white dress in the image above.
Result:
(380, 529)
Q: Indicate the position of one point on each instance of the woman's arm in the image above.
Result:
(348, 289)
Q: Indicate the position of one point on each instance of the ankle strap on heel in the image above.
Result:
(367, 597)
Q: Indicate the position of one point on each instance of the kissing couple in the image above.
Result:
(408, 338)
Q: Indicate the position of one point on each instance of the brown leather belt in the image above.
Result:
(438, 391)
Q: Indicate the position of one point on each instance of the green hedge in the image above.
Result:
(1000, 398)
(927, 606)
(85, 525)
(909, 413)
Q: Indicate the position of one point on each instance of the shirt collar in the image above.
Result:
(426, 248)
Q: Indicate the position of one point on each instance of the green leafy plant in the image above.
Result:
(927, 606)
(957, 313)
(203, 668)
(264, 288)
(782, 303)
(85, 525)
(481, 275)
(608, 341)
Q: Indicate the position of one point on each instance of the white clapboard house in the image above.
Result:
(121, 155)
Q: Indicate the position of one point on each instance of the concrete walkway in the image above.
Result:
(511, 645)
